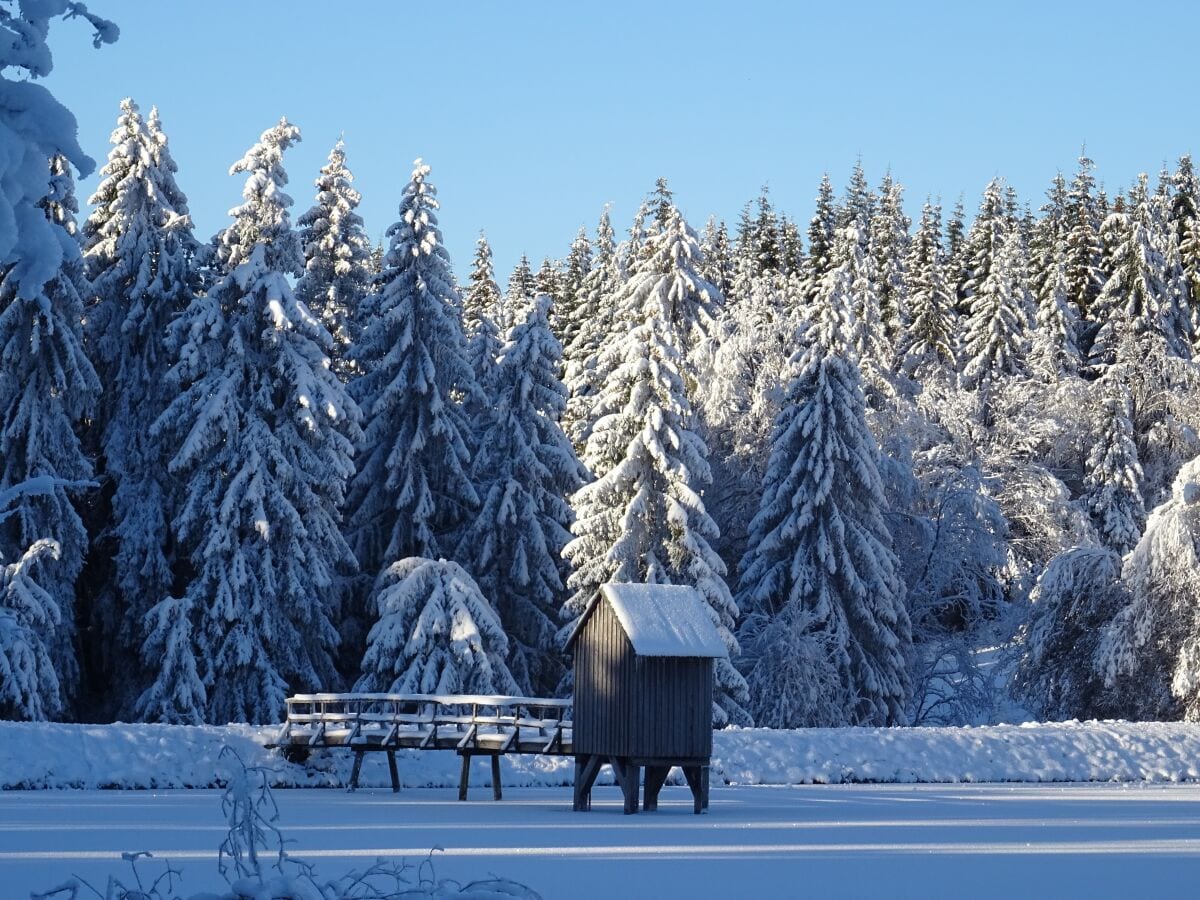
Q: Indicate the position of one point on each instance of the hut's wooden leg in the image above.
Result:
(621, 769)
(496, 776)
(692, 774)
(704, 784)
(656, 777)
(391, 754)
(587, 767)
(354, 772)
(465, 778)
(633, 786)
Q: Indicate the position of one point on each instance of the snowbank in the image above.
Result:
(170, 756)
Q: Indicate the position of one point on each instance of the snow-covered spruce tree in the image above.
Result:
(1185, 224)
(519, 294)
(858, 205)
(1047, 238)
(525, 468)
(1151, 652)
(718, 256)
(263, 434)
(931, 338)
(1114, 479)
(670, 271)
(888, 240)
(481, 311)
(47, 385)
(436, 633)
(412, 491)
(854, 279)
(821, 227)
(1074, 601)
(819, 583)
(643, 519)
(1136, 298)
(45, 378)
(1083, 249)
(1055, 341)
(139, 256)
(582, 374)
(571, 295)
(29, 686)
(997, 329)
(337, 259)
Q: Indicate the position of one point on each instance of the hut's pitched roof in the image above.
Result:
(661, 620)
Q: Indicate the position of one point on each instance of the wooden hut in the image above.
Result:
(644, 690)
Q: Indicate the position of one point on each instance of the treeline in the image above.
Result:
(285, 460)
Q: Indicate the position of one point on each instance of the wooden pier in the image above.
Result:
(470, 725)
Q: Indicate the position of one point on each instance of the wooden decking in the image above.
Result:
(468, 724)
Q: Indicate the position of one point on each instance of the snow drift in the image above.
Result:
(177, 756)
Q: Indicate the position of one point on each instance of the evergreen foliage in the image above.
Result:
(262, 434)
(337, 259)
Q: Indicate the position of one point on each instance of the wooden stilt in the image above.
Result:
(704, 785)
(465, 778)
(692, 774)
(496, 776)
(587, 767)
(391, 755)
(354, 772)
(656, 777)
(633, 778)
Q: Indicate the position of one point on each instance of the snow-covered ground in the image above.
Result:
(164, 756)
(898, 841)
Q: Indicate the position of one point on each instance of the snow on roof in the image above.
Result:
(665, 620)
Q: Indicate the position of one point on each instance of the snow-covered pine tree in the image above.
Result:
(671, 270)
(46, 379)
(854, 276)
(1055, 341)
(582, 374)
(435, 634)
(820, 582)
(643, 519)
(888, 240)
(858, 206)
(1114, 479)
(546, 282)
(481, 310)
(1151, 651)
(518, 297)
(996, 331)
(1047, 236)
(139, 257)
(29, 685)
(820, 241)
(47, 386)
(566, 309)
(1136, 299)
(525, 469)
(957, 267)
(263, 434)
(791, 248)
(932, 336)
(1185, 223)
(718, 256)
(337, 259)
(1075, 600)
(412, 491)
(1084, 278)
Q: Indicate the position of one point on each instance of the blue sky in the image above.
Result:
(534, 115)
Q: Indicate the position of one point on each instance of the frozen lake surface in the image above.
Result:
(898, 841)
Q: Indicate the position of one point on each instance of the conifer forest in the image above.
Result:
(926, 462)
